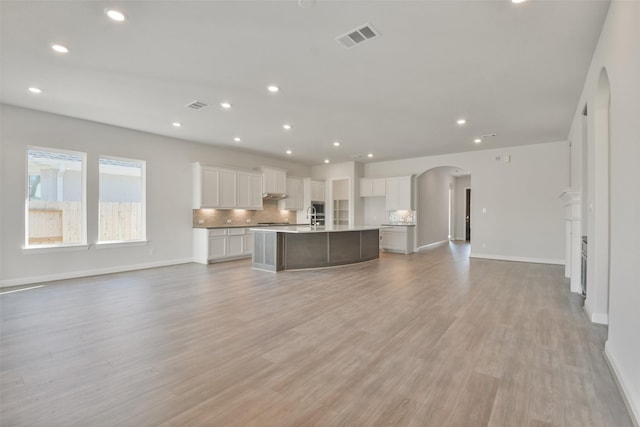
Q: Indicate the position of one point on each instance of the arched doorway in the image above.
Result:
(443, 209)
(597, 301)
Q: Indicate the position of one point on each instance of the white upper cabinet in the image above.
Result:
(222, 188)
(228, 188)
(295, 195)
(206, 192)
(317, 191)
(399, 193)
(274, 180)
(373, 187)
(249, 190)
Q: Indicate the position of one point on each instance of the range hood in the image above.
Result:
(274, 196)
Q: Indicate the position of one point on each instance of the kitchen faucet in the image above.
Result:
(313, 216)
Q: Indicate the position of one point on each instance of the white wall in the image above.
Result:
(524, 217)
(353, 172)
(618, 51)
(460, 204)
(169, 190)
(375, 210)
(433, 205)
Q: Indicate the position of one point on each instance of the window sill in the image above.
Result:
(53, 248)
(121, 244)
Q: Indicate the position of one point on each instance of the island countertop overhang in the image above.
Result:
(320, 229)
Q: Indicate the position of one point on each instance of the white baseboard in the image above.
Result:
(85, 273)
(632, 402)
(517, 258)
(599, 318)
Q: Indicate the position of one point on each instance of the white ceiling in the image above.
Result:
(511, 69)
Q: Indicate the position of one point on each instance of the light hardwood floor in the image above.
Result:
(427, 339)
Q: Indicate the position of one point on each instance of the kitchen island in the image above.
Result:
(299, 247)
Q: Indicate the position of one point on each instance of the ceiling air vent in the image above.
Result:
(196, 105)
(357, 36)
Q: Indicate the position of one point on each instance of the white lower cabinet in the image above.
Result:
(221, 244)
(248, 243)
(235, 242)
(398, 239)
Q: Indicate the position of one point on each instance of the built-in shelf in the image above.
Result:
(340, 212)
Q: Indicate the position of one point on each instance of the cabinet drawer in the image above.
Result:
(235, 231)
(218, 232)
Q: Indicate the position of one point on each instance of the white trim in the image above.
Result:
(28, 250)
(121, 244)
(632, 404)
(517, 258)
(93, 272)
(599, 318)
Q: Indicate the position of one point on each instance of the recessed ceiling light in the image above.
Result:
(326, 160)
(461, 121)
(237, 139)
(273, 88)
(59, 48)
(477, 140)
(176, 124)
(286, 126)
(518, 1)
(370, 155)
(336, 143)
(225, 105)
(116, 15)
(35, 90)
(289, 152)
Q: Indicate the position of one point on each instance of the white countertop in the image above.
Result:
(319, 229)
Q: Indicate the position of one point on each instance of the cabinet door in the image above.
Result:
(217, 247)
(378, 187)
(394, 241)
(244, 190)
(399, 193)
(228, 189)
(209, 188)
(317, 191)
(235, 244)
(366, 187)
(295, 195)
(255, 191)
(248, 243)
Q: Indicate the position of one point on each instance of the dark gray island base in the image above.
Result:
(293, 248)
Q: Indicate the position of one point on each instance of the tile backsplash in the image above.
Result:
(219, 217)
(402, 217)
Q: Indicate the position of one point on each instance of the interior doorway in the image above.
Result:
(467, 220)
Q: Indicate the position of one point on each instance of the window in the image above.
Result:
(122, 211)
(55, 208)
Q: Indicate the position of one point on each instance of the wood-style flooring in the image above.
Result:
(427, 339)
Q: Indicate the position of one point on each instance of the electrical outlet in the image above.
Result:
(201, 221)
(228, 221)
(248, 220)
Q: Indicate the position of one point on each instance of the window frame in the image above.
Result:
(82, 245)
(143, 197)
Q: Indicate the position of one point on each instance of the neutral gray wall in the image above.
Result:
(433, 205)
(618, 51)
(169, 192)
